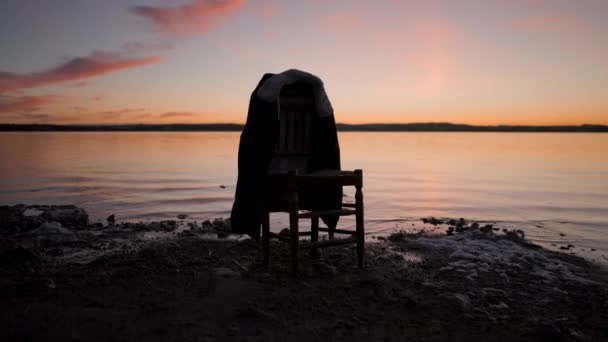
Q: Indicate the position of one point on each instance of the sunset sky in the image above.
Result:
(530, 62)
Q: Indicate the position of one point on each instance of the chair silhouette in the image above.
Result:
(290, 180)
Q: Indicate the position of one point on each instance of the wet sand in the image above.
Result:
(191, 281)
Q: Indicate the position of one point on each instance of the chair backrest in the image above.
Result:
(295, 111)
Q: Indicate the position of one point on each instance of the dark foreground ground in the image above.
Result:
(72, 281)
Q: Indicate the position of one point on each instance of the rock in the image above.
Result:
(20, 218)
(474, 225)
(67, 215)
(432, 221)
(111, 219)
(222, 187)
(182, 216)
(488, 228)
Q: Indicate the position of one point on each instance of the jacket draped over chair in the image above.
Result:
(256, 147)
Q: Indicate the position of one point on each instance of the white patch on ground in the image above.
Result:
(30, 212)
(472, 256)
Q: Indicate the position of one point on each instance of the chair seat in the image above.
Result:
(283, 192)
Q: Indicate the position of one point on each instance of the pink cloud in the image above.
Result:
(24, 103)
(96, 64)
(195, 17)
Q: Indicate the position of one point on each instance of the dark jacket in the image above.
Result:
(255, 152)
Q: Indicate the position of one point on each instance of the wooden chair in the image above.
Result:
(288, 174)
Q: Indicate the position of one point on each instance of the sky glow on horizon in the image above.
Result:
(480, 62)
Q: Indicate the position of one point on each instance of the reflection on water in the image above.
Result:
(549, 181)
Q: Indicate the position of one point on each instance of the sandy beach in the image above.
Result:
(66, 279)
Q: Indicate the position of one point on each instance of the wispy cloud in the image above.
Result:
(14, 104)
(194, 17)
(96, 64)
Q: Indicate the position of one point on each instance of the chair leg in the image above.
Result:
(331, 223)
(295, 236)
(314, 236)
(359, 225)
(266, 236)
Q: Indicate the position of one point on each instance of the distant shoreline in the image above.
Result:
(410, 127)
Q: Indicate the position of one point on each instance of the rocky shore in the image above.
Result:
(62, 278)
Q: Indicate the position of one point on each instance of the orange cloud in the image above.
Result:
(195, 17)
(24, 103)
(96, 64)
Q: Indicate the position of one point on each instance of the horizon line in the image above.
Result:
(370, 127)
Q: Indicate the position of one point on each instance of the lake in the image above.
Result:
(554, 186)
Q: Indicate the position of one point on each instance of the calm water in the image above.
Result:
(546, 183)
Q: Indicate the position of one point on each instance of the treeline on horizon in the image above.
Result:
(409, 127)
